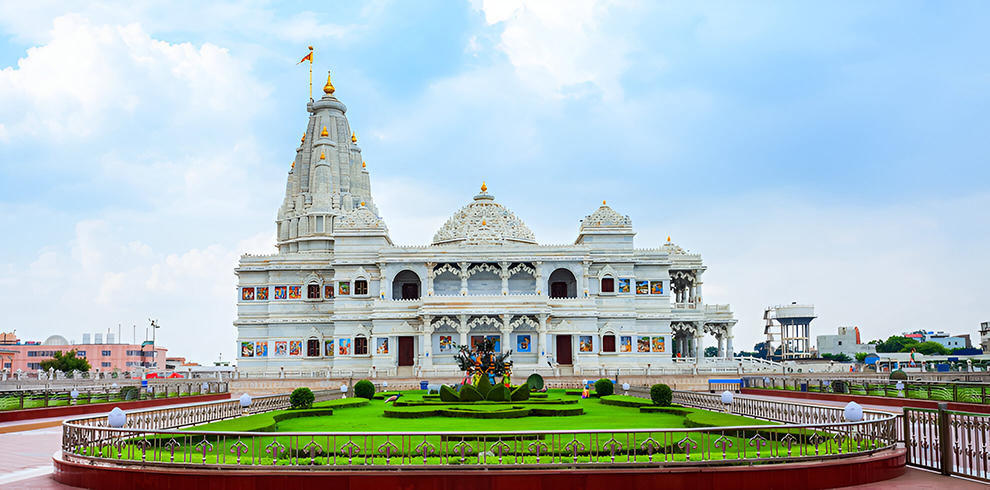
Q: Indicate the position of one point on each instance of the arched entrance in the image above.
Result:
(563, 284)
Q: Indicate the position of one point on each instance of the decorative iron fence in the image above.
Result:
(961, 392)
(150, 438)
(953, 443)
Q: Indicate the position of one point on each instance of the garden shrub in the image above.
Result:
(447, 394)
(555, 412)
(669, 410)
(624, 401)
(604, 387)
(471, 394)
(129, 393)
(520, 394)
(498, 394)
(661, 395)
(535, 382)
(484, 385)
(364, 389)
(302, 398)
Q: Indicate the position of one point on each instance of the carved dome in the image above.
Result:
(55, 340)
(606, 217)
(484, 222)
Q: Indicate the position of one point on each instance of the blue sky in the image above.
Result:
(832, 153)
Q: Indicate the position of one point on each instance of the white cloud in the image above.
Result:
(89, 78)
(557, 47)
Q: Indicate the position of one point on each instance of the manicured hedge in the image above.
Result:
(364, 389)
(447, 394)
(671, 410)
(302, 398)
(661, 395)
(471, 394)
(520, 394)
(483, 386)
(555, 412)
(625, 401)
(604, 387)
(498, 394)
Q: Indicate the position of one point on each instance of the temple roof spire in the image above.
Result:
(328, 88)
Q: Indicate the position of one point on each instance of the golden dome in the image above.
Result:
(324, 133)
(303, 139)
(362, 203)
(328, 88)
(484, 188)
(322, 156)
(353, 137)
(603, 202)
(364, 165)
(668, 238)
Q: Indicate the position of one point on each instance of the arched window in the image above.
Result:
(406, 285)
(313, 347)
(360, 286)
(360, 345)
(563, 284)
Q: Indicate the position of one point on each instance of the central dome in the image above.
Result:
(484, 222)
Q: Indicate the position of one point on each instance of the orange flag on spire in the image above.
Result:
(308, 57)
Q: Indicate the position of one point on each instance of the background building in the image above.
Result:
(847, 342)
(27, 356)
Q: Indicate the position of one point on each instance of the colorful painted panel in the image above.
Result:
(659, 344)
(295, 347)
(247, 294)
(643, 345)
(524, 343)
(261, 349)
(382, 346)
(344, 288)
(625, 344)
(247, 349)
(328, 348)
(446, 343)
(280, 292)
(295, 292)
(328, 291)
(585, 343)
(281, 349)
(477, 341)
(623, 285)
(498, 341)
(262, 294)
(642, 287)
(656, 287)
(345, 347)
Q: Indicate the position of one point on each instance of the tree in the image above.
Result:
(840, 357)
(861, 357)
(896, 343)
(762, 351)
(927, 348)
(66, 363)
(711, 351)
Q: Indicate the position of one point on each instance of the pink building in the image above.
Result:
(27, 356)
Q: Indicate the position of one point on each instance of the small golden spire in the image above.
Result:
(484, 188)
(328, 88)
(362, 204)
(353, 137)
(324, 133)
(484, 223)
(303, 139)
(293, 164)
(322, 156)
(603, 202)
(668, 238)
(364, 165)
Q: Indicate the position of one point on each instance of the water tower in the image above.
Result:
(789, 328)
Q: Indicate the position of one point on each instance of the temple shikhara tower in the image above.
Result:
(339, 296)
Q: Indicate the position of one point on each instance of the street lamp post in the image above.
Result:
(154, 328)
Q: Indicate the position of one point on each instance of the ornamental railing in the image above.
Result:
(950, 442)
(950, 391)
(777, 411)
(150, 439)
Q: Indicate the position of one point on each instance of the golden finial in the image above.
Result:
(324, 133)
(603, 202)
(328, 88)
(353, 137)
(322, 156)
(668, 238)
(364, 165)
(484, 223)
(362, 203)
(484, 188)
(303, 139)
(293, 164)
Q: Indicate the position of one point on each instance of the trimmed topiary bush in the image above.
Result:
(661, 395)
(498, 394)
(604, 387)
(470, 394)
(535, 382)
(302, 398)
(364, 389)
(484, 385)
(447, 394)
(520, 394)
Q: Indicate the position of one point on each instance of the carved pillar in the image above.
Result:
(697, 287)
(584, 277)
(426, 337)
(728, 341)
(542, 330)
(384, 285)
(699, 342)
(505, 330)
(504, 274)
(429, 277)
(463, 329)
(464, 277)
(538, 275)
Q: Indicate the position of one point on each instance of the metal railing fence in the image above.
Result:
(950, 442)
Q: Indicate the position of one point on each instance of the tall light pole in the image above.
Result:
(154, 328)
